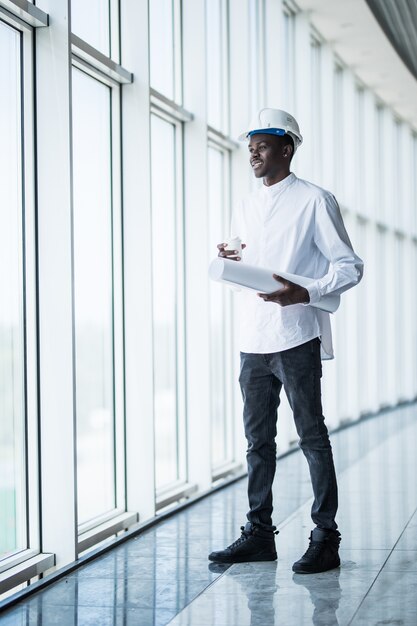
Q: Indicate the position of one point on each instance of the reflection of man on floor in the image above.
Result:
(260, 596)
(325, 594)
(294, 226)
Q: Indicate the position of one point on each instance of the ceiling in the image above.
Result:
(356, 36)
(398, 19)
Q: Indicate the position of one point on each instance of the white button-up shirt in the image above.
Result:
(296, 227)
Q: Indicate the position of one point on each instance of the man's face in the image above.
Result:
(266, 155)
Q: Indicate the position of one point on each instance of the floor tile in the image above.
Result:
(163, 574)
(392, 600)
(86, 616)
(402, 561)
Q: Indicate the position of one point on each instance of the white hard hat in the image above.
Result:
(274, 122)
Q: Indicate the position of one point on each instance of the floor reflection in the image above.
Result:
(325, 596)
(163, 577)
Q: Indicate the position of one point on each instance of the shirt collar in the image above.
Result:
(277, 188)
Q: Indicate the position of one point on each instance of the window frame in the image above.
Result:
(225, 69)
(14, 566)
(316, 73)
(288, 58)
(339, 117)
(258, 65)
(228, 464)
(177, 54)
(107, 524)
(172, 113)
(24, 12)
(113, 35)
(359, 115)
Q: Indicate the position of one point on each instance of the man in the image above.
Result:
(291, 225)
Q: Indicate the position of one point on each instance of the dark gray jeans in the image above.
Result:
(261, 379)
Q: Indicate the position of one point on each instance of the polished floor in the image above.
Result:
(163, 576)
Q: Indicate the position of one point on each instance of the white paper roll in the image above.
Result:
(260, 279)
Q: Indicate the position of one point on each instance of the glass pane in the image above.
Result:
(288, 60)
(219, 371)
(93, 288)
(339, 121)
(12, 405)
(359, 160)
(316, 109)
(161, 22)
(91, 22)
(257, 55)
(214, 64)
(164, 301)
(414, 187)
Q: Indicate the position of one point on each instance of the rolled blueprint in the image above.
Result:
(260, 279)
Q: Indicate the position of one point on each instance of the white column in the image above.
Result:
(327, 125)
(56, 356)
(303, 159)
(350, 379)
(350, 139)
(241, 176)
(382, 236)
(368, 147)
(274, 37)
(388, 169)
(399, 318)
(390, 338)
(196, 225)
(364, 375)
(140, 461)
(373, 345)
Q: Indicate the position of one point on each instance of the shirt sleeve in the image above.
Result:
(346, 268)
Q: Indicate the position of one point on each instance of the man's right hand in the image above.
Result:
(229, 254)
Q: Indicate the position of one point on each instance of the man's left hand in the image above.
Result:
(289, 294)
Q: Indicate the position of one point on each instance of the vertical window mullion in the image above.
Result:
(118, 299)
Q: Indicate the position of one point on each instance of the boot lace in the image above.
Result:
(245, 534)
(314, 549)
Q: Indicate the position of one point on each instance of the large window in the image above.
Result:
(288, 58)
(12, 357)
(316, 107)
(165, 48)
(19, 476)
(257, 55)
(168, 303)
(359, 151)
(338, 131)
(96, 22)
(97, 297)
(221, 410)
(398, 188)
(380, 144)
(217, 64)
(413, 206)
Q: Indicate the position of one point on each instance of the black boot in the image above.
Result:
(254, 544)
(322, 553)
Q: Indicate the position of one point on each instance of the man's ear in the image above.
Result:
(287, 151)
